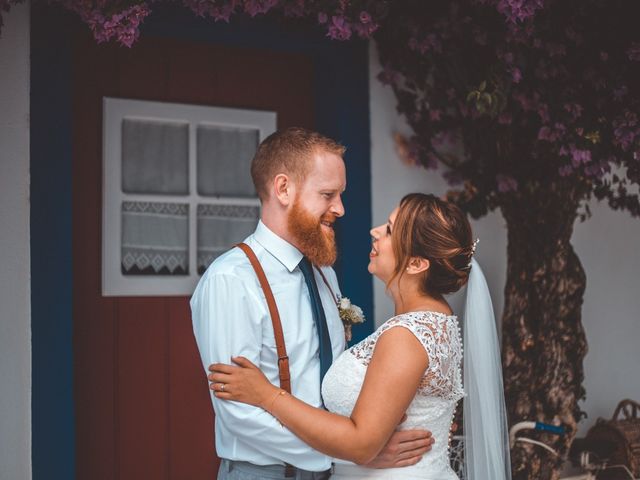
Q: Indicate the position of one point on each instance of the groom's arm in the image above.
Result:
(227, 321)
(403, 449)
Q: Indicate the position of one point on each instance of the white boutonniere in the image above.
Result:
(350, 314)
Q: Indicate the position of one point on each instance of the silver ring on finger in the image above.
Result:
(222, 387)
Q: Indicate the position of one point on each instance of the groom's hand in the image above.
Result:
(403, 449)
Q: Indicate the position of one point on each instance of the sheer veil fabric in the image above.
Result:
(486, 434)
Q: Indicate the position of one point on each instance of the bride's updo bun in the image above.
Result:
(439, 231)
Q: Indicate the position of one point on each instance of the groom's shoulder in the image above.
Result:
(233, 262)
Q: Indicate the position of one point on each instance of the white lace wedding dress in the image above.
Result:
(433, 406)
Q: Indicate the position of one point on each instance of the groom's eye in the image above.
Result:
(327, 195)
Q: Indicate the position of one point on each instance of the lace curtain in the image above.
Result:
(221, 226)
(155, 161)
(155, 238)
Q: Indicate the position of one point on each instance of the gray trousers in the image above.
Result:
(233, 470)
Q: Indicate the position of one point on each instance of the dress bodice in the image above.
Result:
(434, 404)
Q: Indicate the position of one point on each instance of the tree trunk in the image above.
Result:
(543, 341)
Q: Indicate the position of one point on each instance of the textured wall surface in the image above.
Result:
(15, 320)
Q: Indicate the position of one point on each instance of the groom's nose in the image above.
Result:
(337, 208)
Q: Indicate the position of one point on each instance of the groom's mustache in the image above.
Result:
(328, 219)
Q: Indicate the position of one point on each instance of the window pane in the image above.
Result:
(155, 157)
(224, 160)
(220, 227)
(155, 238)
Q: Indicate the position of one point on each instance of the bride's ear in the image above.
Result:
(418, 265)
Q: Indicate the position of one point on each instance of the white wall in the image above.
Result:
(607, 245)
(15, 331)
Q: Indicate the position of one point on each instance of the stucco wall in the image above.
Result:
(607, 245)
(15, 343)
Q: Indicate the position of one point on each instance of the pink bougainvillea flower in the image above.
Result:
(365, 17)
(339, 28)
(506, 183)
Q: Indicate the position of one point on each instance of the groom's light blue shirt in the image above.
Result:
(230, 318)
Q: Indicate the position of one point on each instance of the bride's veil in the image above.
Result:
(486, 436)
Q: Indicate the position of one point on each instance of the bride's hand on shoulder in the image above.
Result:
(243, 382)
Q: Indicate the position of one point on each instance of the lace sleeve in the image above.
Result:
(440, 337)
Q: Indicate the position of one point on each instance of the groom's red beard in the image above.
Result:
(316, 243)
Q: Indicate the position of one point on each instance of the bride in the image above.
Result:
(411, 364)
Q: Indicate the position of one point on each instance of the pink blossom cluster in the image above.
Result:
(574, 109)
(552, 133)
(120, 20)
(219, 11)
(595, 169)
(519, 10)
(341, 26)
(532, 102)
(541, 96)
(426, 43)
(515, 10)
(389, 76)
(257, 7)
(223, 10)
(626, 131)
(506, 183)
(577, 155)
(123, 24)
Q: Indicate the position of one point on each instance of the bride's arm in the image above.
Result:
(394, 373)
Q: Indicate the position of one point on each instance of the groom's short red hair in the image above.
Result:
(288, 151)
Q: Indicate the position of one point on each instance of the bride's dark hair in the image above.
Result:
(439, 231)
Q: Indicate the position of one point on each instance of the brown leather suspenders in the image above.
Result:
(283, 359)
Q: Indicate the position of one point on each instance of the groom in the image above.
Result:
(299, 176)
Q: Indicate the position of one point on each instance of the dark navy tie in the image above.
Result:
(326, 355)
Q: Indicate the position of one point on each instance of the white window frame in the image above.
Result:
(114, 283)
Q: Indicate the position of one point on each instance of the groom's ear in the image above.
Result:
(418, 265)
(284, 189)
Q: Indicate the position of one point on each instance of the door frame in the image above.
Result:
(341, 102)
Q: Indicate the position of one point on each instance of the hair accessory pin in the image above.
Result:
(474, 245)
